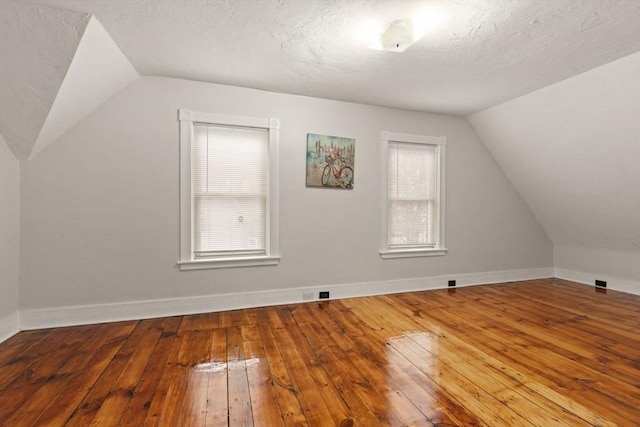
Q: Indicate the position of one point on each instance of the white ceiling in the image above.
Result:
(484, 52)
(36, 47)
(98, 71)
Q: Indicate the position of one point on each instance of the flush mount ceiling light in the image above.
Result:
(400, 34)
(397, 38)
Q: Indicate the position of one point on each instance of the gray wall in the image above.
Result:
(9, 240)
(100, 206)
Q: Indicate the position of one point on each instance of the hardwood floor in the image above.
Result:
(543, 353)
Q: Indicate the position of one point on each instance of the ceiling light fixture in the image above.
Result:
(397, 38)
(402, 33)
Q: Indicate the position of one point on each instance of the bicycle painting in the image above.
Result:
(330, 161)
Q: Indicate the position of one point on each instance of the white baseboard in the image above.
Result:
(100, 313)
(9, 326)
(615, 283)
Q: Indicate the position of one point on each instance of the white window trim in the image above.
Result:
(187, 262)
(440, 142)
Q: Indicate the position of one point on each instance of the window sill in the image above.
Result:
(411, 253)
(202, 264)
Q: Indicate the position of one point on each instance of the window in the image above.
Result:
(412, 195)
(228, 191)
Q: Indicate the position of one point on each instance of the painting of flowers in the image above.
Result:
(330, 161)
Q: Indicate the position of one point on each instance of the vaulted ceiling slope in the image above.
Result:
(37, 45)
(572, 150)
(56, 66)
(98, 71)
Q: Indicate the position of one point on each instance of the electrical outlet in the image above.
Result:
(452, 282)
(307, 296)
(601, 283)
(324, 295)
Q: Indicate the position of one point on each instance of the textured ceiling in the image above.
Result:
(484, 52)
(98, 70)
(37, 45)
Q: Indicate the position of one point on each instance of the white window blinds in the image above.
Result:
(411, 196)
(229, 185)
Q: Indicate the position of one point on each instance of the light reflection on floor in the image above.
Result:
(206, 389)
(221, 366)
(412, 350)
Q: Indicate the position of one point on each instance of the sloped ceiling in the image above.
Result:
(98, 70)
(37, 44)
(56, 66)
(572, 150)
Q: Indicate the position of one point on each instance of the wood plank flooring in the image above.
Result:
(536, 353)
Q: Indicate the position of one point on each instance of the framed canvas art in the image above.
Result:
(330, 161)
